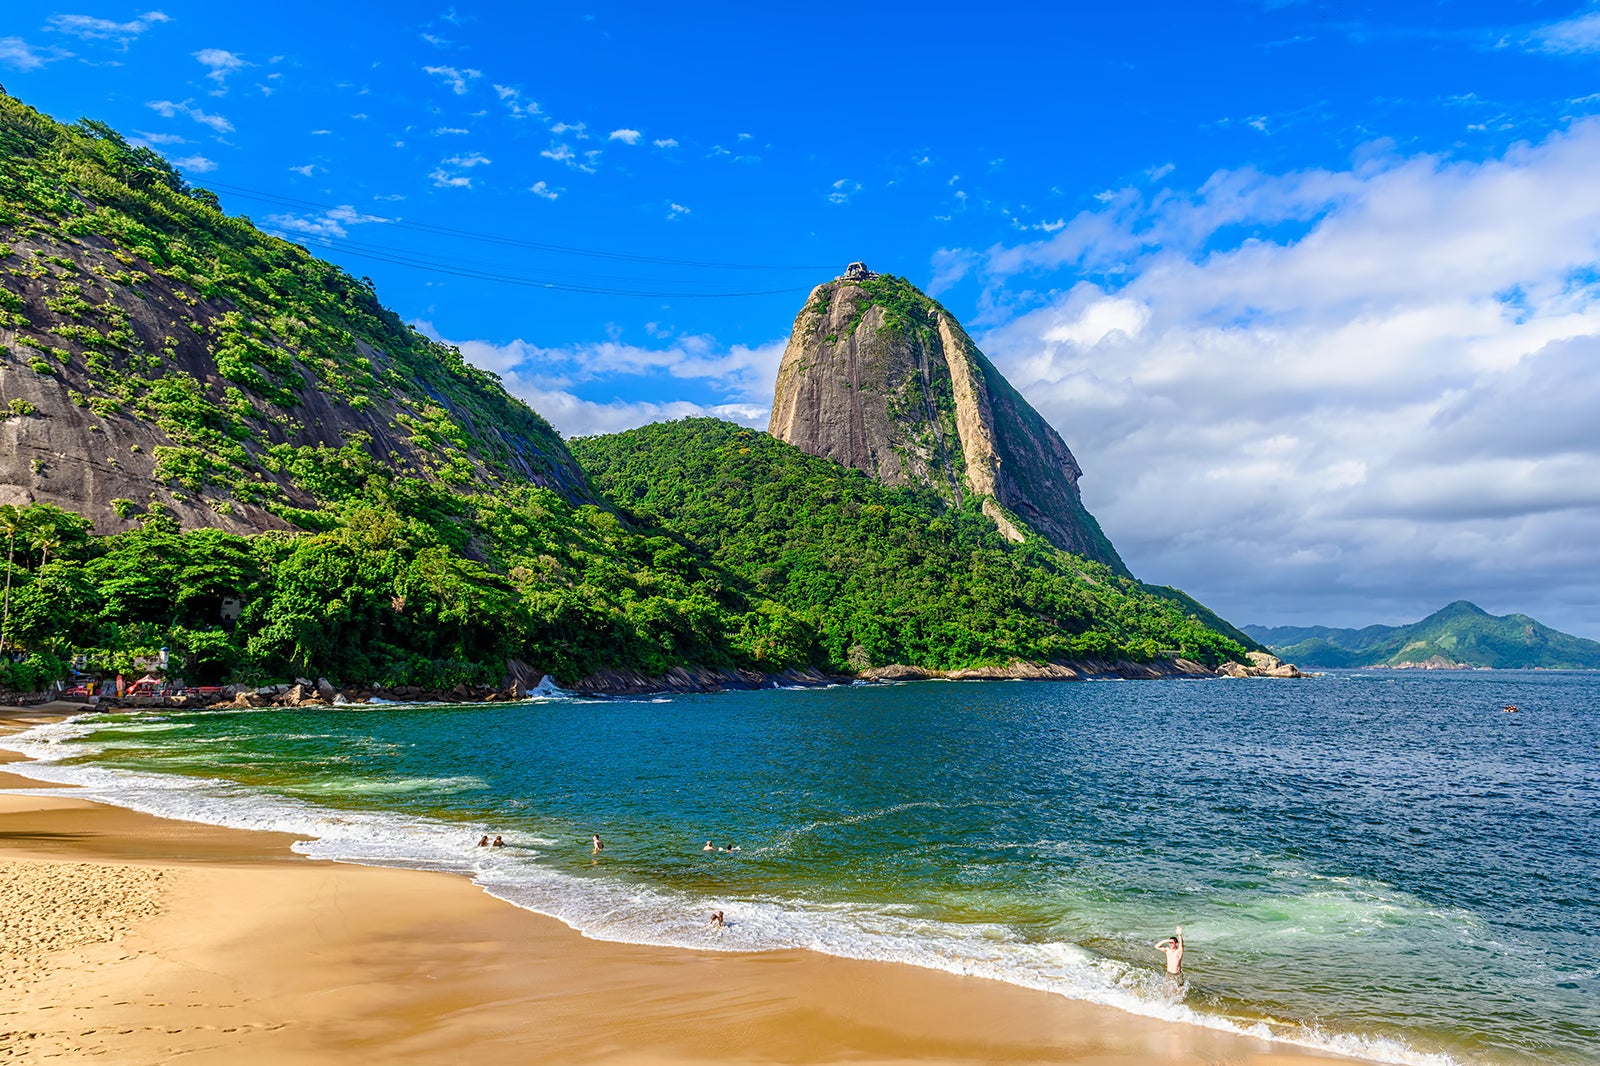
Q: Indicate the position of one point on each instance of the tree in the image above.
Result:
(9, 523)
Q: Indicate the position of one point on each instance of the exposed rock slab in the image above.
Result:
(879, 377)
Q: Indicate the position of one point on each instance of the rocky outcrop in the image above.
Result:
(692, 679)
(1078, 670)
(1262, 664)
(879, 377)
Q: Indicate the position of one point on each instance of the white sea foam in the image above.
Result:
(608, 909)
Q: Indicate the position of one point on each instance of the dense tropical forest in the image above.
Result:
(236, 453)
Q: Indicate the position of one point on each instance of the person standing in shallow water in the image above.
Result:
(599, 845)
(1173, 947)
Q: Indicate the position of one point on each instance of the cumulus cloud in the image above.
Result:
(1340, 396)
(626, 136)
(456, 79)
(90, 28)
(221, 64)
(330, 223)
(676, 211)
(475, 159)
(544, 190)
(548, 379)
(665, 142)
(169, 109)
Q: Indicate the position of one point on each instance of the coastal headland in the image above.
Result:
(136, 939)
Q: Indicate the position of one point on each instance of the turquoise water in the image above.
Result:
(1378, 863)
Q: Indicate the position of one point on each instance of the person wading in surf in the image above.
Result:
(1173, 946)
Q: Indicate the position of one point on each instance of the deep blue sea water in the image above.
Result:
(1383, 863)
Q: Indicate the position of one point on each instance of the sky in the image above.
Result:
(1312, 290)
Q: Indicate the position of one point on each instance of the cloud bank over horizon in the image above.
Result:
(1385, 404)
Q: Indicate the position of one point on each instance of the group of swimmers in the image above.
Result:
(1172, 947)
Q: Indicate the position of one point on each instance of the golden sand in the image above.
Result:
(133, 939)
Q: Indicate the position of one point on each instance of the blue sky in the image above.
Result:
(1309, 288)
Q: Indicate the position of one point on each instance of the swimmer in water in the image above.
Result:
(716, 920)
(1511, 708)
(498, 843)
(483, 843)
(709, 847)
(599, 845)
(1173, 947)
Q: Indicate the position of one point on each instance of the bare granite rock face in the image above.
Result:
(65, 441)
(879, 377)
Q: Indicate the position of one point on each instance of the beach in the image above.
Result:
(131, 938)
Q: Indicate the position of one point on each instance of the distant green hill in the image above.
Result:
(1462, 633)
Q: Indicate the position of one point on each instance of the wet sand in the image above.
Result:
(134, 939)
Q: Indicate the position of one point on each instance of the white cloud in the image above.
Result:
(169, 109)
(161, 138)
(330, 223)
(305, 171)
(199, 164)
(89, 28)
(1377, 399)
(20, 55)
(1573, 36)
(676, 211)
(446, 180)
(546, 377)
(455, 79)
(625, 136)
(544, 190)
(563, 153)
(450, 131)
(843, 189)
(577, 129)
(665, 142)
(518, 107)
(476, 159)
(221, 62)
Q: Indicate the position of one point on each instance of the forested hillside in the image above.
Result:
(158, 350)
(883, 575)
(214, 443)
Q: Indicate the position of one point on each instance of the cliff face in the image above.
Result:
(154, 351)
(879, 377)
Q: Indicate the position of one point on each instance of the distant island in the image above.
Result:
(1460, 636)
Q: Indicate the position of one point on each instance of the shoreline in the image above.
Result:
(148, 938)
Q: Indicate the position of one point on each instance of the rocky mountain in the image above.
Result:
(1459, 635)
(155, 351)
(214, 445)
(878, 376)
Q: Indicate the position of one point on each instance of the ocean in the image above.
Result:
(1372, 862)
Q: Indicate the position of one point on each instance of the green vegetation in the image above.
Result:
(1461, 633)
(387, 593)
(136, 291)
(395, 517)
(882, 575)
